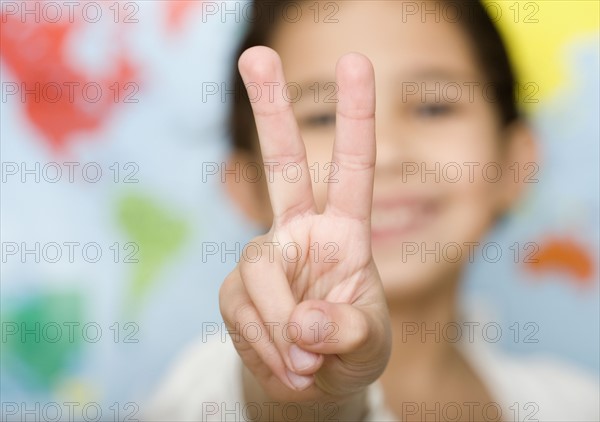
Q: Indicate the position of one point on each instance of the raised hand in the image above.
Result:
(309, 285)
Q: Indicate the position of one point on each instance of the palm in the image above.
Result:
(308, 260)
(333, 262)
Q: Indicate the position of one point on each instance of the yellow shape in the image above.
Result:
(537, 32)
(77, 390)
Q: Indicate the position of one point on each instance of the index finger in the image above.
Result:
(283, 152)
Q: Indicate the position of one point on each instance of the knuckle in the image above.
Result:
(356, 162)
(243, 313)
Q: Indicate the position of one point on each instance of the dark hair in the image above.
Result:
(486, 42)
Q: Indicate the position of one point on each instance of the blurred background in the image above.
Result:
(116, 233)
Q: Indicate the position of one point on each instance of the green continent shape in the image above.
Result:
(157, 233)
(47, 337)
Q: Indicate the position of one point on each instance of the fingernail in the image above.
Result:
(300, 382)
(301, 359)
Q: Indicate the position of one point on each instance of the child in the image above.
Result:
(352, 259)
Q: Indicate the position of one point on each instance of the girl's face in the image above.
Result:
(438, 134)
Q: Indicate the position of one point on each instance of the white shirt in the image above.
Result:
(205, 385)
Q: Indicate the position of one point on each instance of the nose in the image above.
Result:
(392, 147)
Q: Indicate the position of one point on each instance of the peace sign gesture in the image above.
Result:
(322, 318)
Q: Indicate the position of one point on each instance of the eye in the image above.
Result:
(433, 110)
(320, 120)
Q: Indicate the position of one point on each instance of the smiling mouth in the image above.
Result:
(397, 218)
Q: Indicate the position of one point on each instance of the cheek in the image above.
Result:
(471, 210)
(471, 175)
(466, 163)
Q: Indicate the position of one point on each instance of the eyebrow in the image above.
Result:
(320, 87)
(439, 75)
(321, 84)
(442, 75)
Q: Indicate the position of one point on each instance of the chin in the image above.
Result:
(405, 281)
(412, 280)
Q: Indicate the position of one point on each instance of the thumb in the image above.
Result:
(337, 328)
